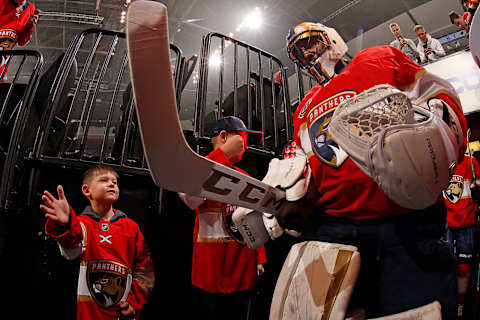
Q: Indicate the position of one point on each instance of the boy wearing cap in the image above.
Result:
(224, 271)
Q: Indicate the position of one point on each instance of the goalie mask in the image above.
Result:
(316, 48)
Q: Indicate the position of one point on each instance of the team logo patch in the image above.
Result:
(454, 190)
(8, 38)
(228, 225)
(107, 281)
(318, 119)
(105, 226)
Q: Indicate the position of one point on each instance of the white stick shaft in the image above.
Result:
(172, 163)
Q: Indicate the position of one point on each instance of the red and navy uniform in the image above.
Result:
(344, 190)
(219, 263)
(461, 209)
(115, 263)
(13, 21)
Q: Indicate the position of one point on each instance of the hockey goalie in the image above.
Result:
(377, 141)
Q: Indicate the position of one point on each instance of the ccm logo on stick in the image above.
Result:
(217, 177)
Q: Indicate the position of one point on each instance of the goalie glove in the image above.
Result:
(292, 175)
(409, 151)
(446, 113)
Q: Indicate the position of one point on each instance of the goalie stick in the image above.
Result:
(173, 164)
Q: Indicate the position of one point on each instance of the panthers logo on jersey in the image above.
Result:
(318, 118)
(107, 281)
(8, 37)
(454, 190)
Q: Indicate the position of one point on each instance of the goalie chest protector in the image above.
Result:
(344, 190)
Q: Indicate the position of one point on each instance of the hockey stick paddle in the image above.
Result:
(173, 164)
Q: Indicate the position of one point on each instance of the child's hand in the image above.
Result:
(260, 269)
(126, 310)
(32, 20)
(56, 209)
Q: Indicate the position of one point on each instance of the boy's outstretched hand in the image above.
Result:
(56, 209)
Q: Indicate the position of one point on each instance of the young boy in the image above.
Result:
(116, 271)
(224, 271)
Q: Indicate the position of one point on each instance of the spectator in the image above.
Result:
(404, 44)
(116, 271)
(224, 271)
(469, 8)
(461, 198)
(428, 48)
(17, 21)
(459, 21)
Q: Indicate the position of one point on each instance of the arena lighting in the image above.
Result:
(253, 20)
(215, 60)
(122, 16)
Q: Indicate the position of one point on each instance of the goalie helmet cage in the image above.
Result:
(16, 93)
(274, 119)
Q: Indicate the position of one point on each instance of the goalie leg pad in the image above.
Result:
(316, 282)
(431, 311)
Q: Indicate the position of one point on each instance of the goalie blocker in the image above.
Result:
(290, 174)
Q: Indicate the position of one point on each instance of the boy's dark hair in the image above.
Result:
(94, 170)
(453, 15)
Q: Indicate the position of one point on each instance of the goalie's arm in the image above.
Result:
(293, 175)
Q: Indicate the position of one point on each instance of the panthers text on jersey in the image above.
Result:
(344, 189)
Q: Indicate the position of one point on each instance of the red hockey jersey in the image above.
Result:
(13, 29)
(461, 209)
(219, 263)
(12, 24)
(115, 263)
(343, 189)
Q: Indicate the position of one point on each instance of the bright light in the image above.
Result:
(254, 19)
(215, 60)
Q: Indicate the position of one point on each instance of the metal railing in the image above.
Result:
(17, 92)
(90, 117)
(267, 105)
